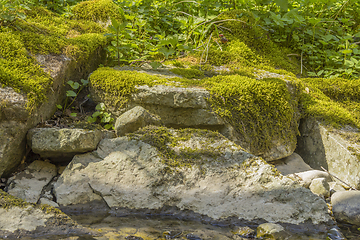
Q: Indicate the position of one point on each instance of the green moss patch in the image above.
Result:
(176, 154)
(334, 101)
(188, 73)
(97, 10)
(43, 32)
(260, 110)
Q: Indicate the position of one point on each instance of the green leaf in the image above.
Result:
(59, 106)
(84, 82)
(70, 93)
(100, 106)
(155, 65)
(109, 126)
(283, 4)
(96, 114)
(73, 114)
(167, 52)
(91, 120)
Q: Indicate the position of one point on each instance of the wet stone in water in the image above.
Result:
(172, 234)
(192, 236)
(130, 237)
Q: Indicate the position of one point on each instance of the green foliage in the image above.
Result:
(12, 10)
(102, 117)
(71, 94)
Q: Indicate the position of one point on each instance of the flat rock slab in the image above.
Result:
(29, 183)
(292, 164)
(63, 143)
(346, 206)
(194, 170)
(20, 219)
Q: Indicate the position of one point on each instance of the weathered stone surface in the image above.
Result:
(320, 145)
(135, 119)
(292, 164)
(335, 187)
(19, 219)
(307, 176)
(62, 143)
(245, 232)
(48, 202)
(181, 107)
(320, 186)
(270, 231)
(223, 181)
(29, 183)
(346, 206)
(15, 119)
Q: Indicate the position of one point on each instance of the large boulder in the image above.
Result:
(62, 144)
(20, 219)
(196, 170)
(261, 121)
(334, 149)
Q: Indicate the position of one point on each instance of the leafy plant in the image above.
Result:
(11, 10)
(102, 117)
(71, 94)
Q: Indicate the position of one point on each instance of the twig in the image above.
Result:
(351, 187)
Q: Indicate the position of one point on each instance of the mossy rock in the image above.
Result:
(97, 11)
(43, 32)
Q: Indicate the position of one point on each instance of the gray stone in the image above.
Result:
(223, 181)
(48, 202)
(20, 219)
(346, 206)
(135, 119)
(320, 186)
(270, 231)
(307, 176)
(62, 143)
(29, 183)
(292, 164)
(322, 146)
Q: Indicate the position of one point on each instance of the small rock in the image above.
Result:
(245, 232)
(346, 206)
(48, 202)
(192, 236)
(319, 186)
(29, 183)
(292, 164)
(134, 119)
(307, 176)
(130, 237)
(270, 231)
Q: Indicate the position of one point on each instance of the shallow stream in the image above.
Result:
(108, 227)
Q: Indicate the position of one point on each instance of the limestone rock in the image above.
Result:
(307, 176)
(62, 143)
(135, 119)
(292, 164)
(322, 146)
(346, 206)
(48, 202)
(320, 186)
(20, 219)
(194, 170)
(270, 231)
(29, 183)
(335, 187)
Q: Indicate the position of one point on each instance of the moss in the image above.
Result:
(43, 32)
(8, 201)
(188, 73)
(260, 110)
(97, 10)
(170, 146)
(249, 45)
(334, 101)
